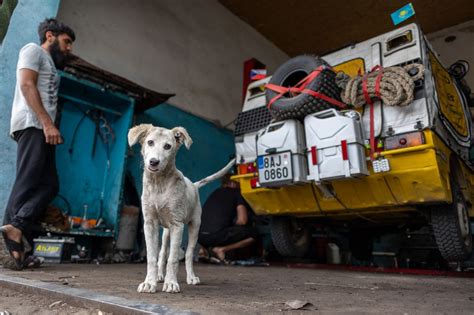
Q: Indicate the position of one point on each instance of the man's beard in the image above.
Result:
(60, 58)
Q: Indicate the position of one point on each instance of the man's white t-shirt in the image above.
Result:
(34, 57)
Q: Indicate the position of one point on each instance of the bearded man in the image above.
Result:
(33, 128)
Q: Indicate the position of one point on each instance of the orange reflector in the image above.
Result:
(405, 140)
(247, 168)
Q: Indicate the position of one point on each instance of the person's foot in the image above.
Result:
(219, 253)
(203, 252)
(15, 235)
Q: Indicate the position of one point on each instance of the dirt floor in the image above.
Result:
(18, 303)
(237, 289)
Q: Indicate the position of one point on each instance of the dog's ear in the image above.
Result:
(182, 136)
(138, 133)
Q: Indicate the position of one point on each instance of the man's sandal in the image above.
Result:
(13, 246)
(216, 260)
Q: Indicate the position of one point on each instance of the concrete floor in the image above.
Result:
(237, 290)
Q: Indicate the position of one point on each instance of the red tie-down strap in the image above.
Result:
(368, 100)
(300, 87)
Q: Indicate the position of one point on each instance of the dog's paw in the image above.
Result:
(171, 287)
(193, 280)
(161, 277)
(146, 287)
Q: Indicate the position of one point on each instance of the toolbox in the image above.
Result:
(281, 158)
(335, 145)
(54, 250)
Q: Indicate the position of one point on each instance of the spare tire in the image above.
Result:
(300, 105)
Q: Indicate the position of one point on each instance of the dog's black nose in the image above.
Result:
(154, 162)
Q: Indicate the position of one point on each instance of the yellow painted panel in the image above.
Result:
(295, 199)
(352, 67)
(449, 102)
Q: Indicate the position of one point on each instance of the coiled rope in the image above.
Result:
(393, 85)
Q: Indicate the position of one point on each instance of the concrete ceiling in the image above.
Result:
(311, 26)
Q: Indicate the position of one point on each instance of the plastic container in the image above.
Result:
(335, 145)
(285, 141)
(333, 254)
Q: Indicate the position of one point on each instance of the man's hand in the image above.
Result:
(52, 135)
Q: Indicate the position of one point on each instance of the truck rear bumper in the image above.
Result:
(418, 175)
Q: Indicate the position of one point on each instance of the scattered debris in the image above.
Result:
(54, 304)
(68, 277)
(297, 304)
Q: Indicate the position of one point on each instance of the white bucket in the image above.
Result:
(333, 254)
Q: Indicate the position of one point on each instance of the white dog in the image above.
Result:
(169, 199)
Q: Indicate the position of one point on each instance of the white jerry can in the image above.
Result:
(281, 154)
(335, 145)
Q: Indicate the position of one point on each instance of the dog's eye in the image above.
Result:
(167, 146)
(150, 143)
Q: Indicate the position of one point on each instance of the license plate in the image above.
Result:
(275, 168)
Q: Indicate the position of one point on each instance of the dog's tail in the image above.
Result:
(215, 176)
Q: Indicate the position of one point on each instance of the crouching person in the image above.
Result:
(225, 224)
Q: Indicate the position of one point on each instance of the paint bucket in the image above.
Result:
(128, 228)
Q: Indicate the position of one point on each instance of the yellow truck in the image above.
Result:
(318, 169)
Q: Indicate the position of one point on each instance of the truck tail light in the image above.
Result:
(254, 183)
(405, 140)
(247, 168)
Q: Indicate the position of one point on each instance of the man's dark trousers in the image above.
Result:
(36, 182)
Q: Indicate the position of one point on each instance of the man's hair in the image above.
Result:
(57, 28)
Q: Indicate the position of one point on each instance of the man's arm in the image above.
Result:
(28, 86)
(242, 216)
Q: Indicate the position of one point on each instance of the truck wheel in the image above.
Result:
(298, 106)
(290, 237)
(452, 227)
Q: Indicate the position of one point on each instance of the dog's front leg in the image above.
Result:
(152, 240)
(193, 229)
(171, 280)
(163, 254)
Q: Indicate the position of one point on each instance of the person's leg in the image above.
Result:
(37, 181)
(220, 251)
(209, 240)
(23, 185)
(236, 237)
(33, 184)
(47, 190)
